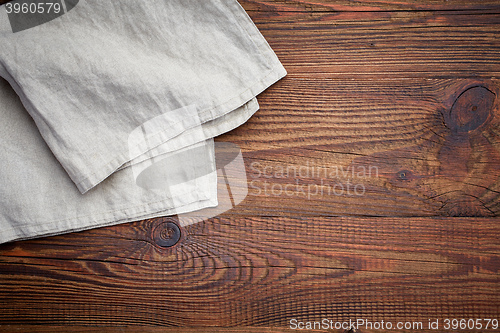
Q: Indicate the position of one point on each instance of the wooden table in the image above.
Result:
(406, 89)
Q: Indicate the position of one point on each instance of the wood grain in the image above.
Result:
(373, 90)
(140, 329)
(410, 87)
(282, 7)
(256, 271)
(316, 136)
(384, 44)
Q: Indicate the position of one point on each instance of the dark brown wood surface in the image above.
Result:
(409, 88)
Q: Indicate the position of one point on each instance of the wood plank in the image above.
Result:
(384, 44)
(373, 90)
(256, 272)
(370, 82)
(139, 329)
(366, 5)
(391, 141)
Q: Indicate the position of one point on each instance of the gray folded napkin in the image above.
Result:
(111, 88)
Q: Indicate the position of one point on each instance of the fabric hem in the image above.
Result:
(191, 201)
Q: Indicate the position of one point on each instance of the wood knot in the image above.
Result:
(167, 234)
(404, 175)
(471, 110)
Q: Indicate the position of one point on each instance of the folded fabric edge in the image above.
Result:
(91, 180)
(188, 202)
(125, 216)
(192, 136)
